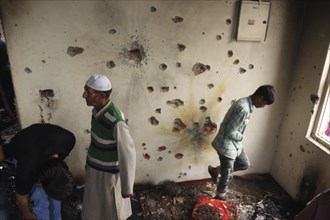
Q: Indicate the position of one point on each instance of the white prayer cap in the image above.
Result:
(99, 82)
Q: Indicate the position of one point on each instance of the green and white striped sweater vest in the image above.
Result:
(102, 153)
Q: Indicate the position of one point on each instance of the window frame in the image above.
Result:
(320, 109)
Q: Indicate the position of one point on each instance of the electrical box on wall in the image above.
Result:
(253, 20)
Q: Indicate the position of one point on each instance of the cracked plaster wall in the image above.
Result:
(175, 67)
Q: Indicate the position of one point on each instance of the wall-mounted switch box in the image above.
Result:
(253, 20)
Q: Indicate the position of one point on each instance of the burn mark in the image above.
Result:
(242, 70)
(162, 66)
(210, 86)
(111, 64)
(178, 156)
(161, 148)
(153, 120)
(181, 47)
(153, 9)
(178, 125)
(175, 103)
(164, 88)
(230, 53)
(203, 108)
(146, 156)
(236, 62)
(199, 68)
(314, 99)
(251, 66)
(178, 64)
(112, 31)
(218, 37)
(27, 70)
(177, 19)
(73, 51)
(150, 89)
(158, 110)
(202, 101)
(228, 21)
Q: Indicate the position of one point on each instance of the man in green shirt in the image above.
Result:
(228, 141)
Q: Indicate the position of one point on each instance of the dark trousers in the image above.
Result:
(228, 167)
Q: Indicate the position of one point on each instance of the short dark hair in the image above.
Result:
(267, 92)
(56, 179)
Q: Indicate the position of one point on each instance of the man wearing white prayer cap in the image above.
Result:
(111, 157)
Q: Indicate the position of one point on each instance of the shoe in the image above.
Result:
(213, 173)
(220, 196)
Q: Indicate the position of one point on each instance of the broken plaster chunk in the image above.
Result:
(175, 103)
(73, 51)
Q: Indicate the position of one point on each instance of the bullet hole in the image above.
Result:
(16, 25)
(251, 66)
(302, 148)
(153, 120)
(178, 64)
(162, 66)
(164, 88)
(242, 70)
(159, 159)
(143, 144)
(178, 125)
(150, 89)
(73, 51)
(202, 101)
(112, 31)
(153, 9)
(314, 99)
(175, 103)
(178, 156)
(203, 108)
(43, 61)
(87, 131)
(290, 155)
(46, 93)
(181, 47)
(199, 68)
(230, 53)
(228, 21)
(210, 86)
(146, 156)
(219, 99)
(110, 64)
(161, 148)
(236, 62)
(314, 67)
(174, 87)
(177, 19)
(136, 54)
(158, 110)
(203, 33)
(189, 167)
(209, 127)
(27, 70)
(218, 37)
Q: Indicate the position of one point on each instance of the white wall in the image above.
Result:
(295, 156)
(38, 34)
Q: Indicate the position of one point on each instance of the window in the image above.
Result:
(319, 128)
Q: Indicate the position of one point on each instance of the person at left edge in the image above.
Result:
(42, 177)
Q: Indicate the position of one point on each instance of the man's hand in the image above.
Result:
(22, 202)
(126, 195)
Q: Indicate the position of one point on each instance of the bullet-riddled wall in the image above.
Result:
(175, 67)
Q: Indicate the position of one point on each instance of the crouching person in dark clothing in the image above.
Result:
(42, 177)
